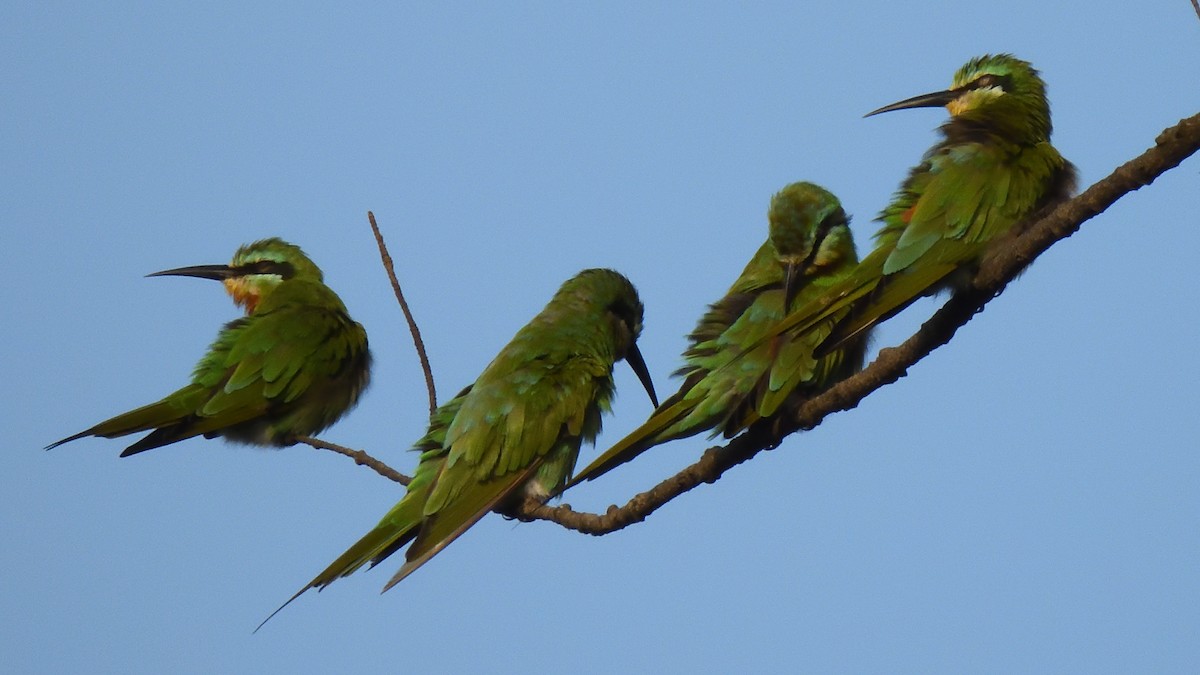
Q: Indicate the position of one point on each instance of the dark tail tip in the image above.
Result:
(68, 439)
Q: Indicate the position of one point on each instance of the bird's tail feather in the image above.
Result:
(158, 414)
(888, 298)
(646, 436)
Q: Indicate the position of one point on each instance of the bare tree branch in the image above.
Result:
(412, 324)
(999, 267)
(360, 457)
(1196, 6)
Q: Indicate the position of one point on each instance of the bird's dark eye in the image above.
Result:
(990, 80)
(626, 314)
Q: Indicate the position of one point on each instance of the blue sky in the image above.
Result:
(1028, 499)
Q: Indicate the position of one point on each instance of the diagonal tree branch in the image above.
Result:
(1000, 266)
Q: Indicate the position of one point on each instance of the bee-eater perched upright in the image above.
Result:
(734, 376)
(993, 168)
(292, 366)
(516, 431)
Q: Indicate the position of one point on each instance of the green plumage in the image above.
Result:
(734, 376)
(993, 168)
(292, 366)
(516, 431)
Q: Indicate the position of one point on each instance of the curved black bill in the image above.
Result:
(634, 358)
(933, 100)
(214, 272)
(790, 286)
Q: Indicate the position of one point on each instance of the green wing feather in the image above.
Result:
(472, 503)
(498, 442)
(886, 298)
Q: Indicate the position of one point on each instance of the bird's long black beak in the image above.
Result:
(214, 272)
(934, 100)
(790, 286)
(634, 358)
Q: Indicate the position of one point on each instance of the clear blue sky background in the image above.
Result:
(1028, 499)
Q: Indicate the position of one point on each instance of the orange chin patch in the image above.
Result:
(242, 293)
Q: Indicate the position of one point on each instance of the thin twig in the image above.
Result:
(1001, 266)
(1196, 6)
(412, 324)
(359, 456)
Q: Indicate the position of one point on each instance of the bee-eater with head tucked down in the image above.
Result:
(993, 168)
(516, 431)
(292, 366)
(734, 377)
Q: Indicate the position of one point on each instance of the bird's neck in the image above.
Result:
(995, 130)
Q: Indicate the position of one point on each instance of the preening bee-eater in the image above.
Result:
(993, 168)
(516, 431)
(292, 366)
(734, 376)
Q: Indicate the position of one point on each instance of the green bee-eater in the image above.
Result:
(993, 168)
(293, 365)
(516, 431)
(733, 375)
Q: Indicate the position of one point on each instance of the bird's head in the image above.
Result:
(615, 296)
(810, 233)
(256, 270)
(995, 90)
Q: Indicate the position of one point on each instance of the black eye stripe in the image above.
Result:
(831, 221)
(826, 226)
(282, 269)
(626, 314)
